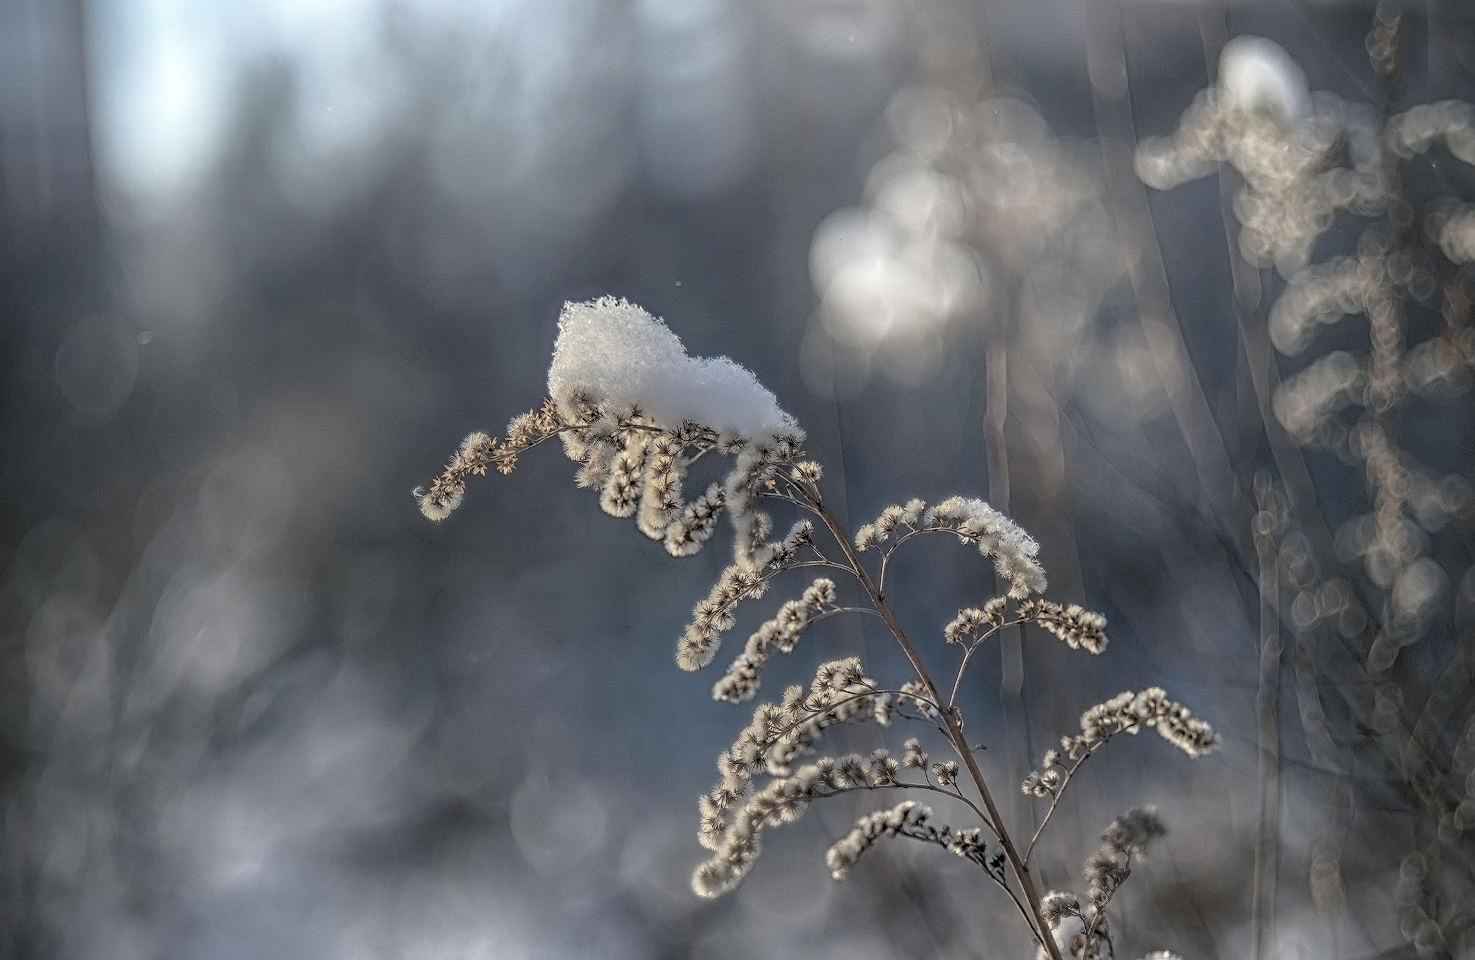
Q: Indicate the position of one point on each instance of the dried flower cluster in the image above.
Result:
(778, 635)
(1319, 408)
(1012, 550)
(1127, 837)
(1084, 932)
(479, 452)
(622, 394)
(782, 800)
(910, 516)
(714, 613)
(969, 621)
(733, 814)
(637, 448)
(1126, 712)
(1081, 629)
(840, 692)
(907, 819)
(914, 755)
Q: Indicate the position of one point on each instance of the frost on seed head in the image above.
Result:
(1013, 551)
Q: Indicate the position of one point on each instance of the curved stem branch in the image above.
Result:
(783, 731)
(968, 652)
(1038, 927)
(1053, 804)
(998, 880)
(906, 786)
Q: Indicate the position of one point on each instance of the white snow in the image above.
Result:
(1256, 74)
(621, 356)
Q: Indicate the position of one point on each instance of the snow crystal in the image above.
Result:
(620, 357)
(1256, 74)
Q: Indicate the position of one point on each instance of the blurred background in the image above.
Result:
(264, 264)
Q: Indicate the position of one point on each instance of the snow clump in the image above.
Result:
(619, 357)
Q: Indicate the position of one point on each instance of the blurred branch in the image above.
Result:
(1218, 481)
(1269, 522)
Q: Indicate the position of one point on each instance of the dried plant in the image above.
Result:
(635, 412)
(1382, 634)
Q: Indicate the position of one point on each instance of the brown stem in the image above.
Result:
(1017, 865)
(1146, 275)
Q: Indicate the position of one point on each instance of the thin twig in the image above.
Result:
(968, 652)
(805, 564)
(1055, 802)
(872, 692)
(911, 786)
(998, 880)
(1038, 927)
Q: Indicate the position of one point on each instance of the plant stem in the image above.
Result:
(1011, 642)
(954, 731)
(1267, 726)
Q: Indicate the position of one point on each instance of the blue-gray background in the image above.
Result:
(262, 265)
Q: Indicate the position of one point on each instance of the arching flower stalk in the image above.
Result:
(634, 411)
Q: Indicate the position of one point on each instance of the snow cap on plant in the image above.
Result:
(614, 354)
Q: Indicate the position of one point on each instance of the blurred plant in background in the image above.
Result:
(986, 239)
(980, 217)
(1378, 601)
